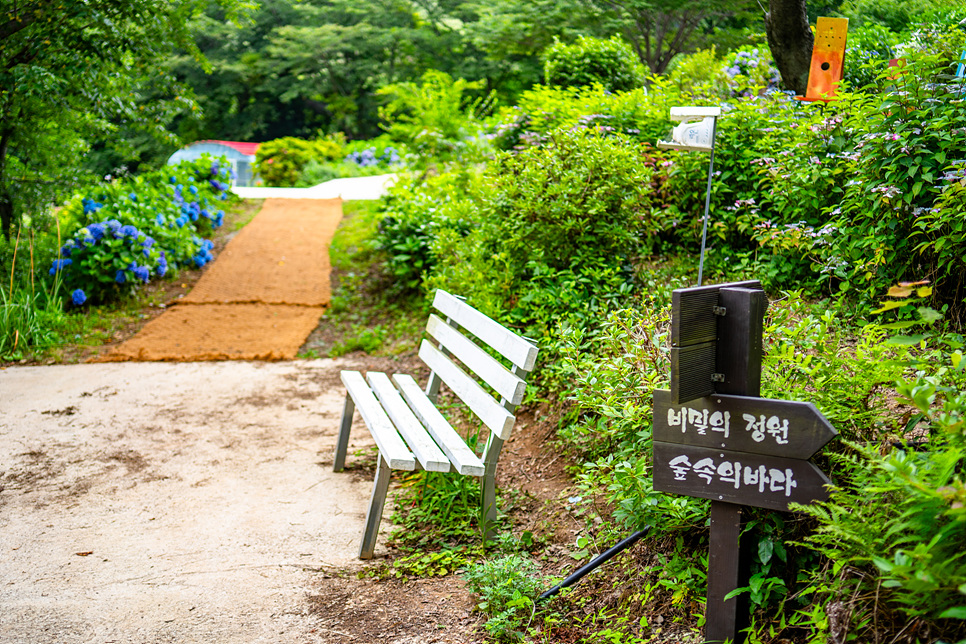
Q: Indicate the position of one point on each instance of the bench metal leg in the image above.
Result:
(493, 447)
(379, 489)
(342, 444)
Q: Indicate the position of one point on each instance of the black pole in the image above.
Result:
(596, 562)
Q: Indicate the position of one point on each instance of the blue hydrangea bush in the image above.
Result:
(134, 230)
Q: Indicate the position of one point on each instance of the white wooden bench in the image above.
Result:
(410, 431)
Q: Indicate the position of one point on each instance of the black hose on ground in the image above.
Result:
(595, 563)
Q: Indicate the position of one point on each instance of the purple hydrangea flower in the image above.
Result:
(162, 265)
(127, 231)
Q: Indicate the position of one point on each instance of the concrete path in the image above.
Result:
(160, 502)
(351, 189)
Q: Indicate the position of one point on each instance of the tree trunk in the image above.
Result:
(790, 41)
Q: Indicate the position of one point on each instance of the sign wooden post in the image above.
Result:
(715, 438)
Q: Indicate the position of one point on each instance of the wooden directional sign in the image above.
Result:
(786, 428)
(737, 477)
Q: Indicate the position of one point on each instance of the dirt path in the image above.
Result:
(191, 502)
(259, 300)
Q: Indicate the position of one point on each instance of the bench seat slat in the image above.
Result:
(391, 446)
(452, 444)
(488, 410)
(510, 345)
(421, 444)
(489, 369)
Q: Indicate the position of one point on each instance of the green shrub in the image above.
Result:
(588, 61)
(138, 228)
(435, 119)
(896, 220)
(281, 161)
(642, 114)
(699, 75)
(580, 197)
(751, 71)
(870, 47)
(416, 213)
(507, 588)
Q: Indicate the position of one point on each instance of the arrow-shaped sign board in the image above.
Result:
(786, 428)
(737, 477)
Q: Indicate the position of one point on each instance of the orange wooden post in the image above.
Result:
(828, 59)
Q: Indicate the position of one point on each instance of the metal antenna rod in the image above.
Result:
(707, 205)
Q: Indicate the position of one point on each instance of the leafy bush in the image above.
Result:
(507, 588)
(589, 61)
(281, 161)
(870, 47)
(416, 213)
(137, 228)
(700, 75)
(640, 114)
(751, 72)
(580, 197)
(434, 118)
(896, 220)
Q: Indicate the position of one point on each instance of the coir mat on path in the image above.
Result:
(259, 300)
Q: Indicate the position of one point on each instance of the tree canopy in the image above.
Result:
(72, 71)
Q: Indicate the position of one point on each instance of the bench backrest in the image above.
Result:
(459, 331)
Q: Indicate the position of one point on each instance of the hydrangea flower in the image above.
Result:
(127, 231)
(120, 278)
(59, 265)
(193, 190)
(114, 225)
(143, 273)
(96, 231)
(78, 297)
(162, 265)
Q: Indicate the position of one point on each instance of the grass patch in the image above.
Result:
(365, 313)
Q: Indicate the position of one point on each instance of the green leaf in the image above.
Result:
(959, 612)
(888, 306)
(905, 340)
(905, 324)
(929, 315)
(765, 549)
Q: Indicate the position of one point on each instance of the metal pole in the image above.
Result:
(707, 204)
